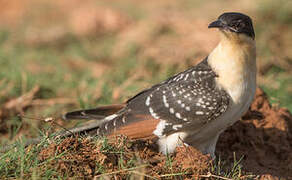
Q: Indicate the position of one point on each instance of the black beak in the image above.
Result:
(216, 24)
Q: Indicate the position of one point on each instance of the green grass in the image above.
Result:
(86, 71)
(27, 163)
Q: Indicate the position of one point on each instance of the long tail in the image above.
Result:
(97, 114)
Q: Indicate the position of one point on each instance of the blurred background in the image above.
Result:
(57, 56)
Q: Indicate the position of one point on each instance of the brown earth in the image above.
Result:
(262, 137)
(85, 158)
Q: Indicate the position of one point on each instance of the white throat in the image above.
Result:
(234, 60)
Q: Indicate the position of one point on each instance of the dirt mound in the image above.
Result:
(121, 158)
(263, 137)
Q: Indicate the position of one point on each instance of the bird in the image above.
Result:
(192, 107)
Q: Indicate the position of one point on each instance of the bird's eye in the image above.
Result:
(238, 25)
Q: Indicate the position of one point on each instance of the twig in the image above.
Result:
(215, 176)
(142, 174)
(123, 170)
(175, 174)
(249, 176)
(22, 101)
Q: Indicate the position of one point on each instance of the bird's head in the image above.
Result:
(234, 25)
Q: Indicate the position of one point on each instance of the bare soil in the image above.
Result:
(263, 137)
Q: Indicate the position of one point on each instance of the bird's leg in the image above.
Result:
(207, 146)
(169, 143)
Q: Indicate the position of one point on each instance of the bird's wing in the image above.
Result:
(188, 100)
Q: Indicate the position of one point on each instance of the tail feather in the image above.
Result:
(102, 114)
(96, 113)
(88, 128)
